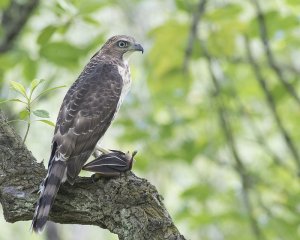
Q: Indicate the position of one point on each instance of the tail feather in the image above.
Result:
(49, 189)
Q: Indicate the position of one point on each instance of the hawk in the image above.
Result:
(87, 111)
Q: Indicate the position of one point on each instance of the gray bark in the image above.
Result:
(128, 206)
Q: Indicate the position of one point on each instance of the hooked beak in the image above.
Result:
(138, 47)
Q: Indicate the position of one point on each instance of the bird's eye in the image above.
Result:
(122, 44)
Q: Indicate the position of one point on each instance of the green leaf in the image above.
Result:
(47, 122)
(62, 30)
(4, 4)
(176, 82)
(223, 35)
(90, 6)
(46, 34)
(46, 91)
(61, 53)
(23, 114)
(294, 3)
(41, 113)
(30, 68)
(18, 87)
(90, 20)
(12, 100)
(199, 192)
(9, 59)
(34, 84)
(276, 22)
(227, 12)
(184, 5)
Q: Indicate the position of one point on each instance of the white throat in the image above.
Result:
(125, 74)
(126, 56)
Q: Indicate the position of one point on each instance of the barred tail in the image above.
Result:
(49, 189)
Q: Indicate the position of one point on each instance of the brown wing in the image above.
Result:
(86, 113)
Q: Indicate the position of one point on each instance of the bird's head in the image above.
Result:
(121, 46)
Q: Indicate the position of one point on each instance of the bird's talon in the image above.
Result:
(95, 177)
(102, 150)
(34, 191)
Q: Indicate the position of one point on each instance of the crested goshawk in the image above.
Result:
(87, 111)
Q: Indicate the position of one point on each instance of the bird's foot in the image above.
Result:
(99, 151)
(95, 177)
(111, 163)
(38, 189)
(35, 190)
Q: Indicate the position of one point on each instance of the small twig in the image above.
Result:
(28, 107)
(193, 32)
(271, 102)
(27, 130)
(270, 57)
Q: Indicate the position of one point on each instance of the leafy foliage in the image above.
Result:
(28, 100)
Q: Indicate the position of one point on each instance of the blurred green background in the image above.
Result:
(213, 111)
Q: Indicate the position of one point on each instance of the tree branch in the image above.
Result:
(230, 138)
(271, 102)
(128, 206)
(271, 59)
(193, 32)
(13, 21)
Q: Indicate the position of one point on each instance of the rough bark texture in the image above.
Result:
(128, 206)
